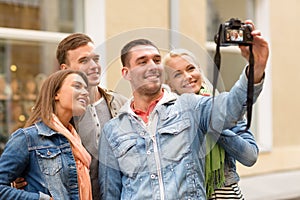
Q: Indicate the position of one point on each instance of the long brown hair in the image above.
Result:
(45, 103)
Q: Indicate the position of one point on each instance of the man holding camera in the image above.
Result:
(154, 148)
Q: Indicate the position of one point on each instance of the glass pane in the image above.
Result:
(219, 11)
(54, 15)
(23, 67)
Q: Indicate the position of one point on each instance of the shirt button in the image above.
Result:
(152, 176)
(142, 134)
(48, 153)
(148, 152)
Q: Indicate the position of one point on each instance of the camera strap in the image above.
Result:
(250, 86)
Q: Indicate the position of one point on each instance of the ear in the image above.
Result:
(56, 97)
(126, 73)
(63, 66)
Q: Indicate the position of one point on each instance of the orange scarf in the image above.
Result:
(82, 157)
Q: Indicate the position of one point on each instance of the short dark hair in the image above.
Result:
(71, 42)
(125, 50)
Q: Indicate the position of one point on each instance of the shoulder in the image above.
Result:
(191, 98)
(25, 131)
(117, 96)
(20, 137)
(111, 93)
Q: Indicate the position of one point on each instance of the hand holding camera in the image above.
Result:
(244, 34)
(253, 47)
(260, 49)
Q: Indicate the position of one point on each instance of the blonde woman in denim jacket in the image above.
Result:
(183, 75)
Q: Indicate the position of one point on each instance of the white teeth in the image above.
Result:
(82, 101)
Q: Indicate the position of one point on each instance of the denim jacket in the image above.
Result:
(164, 159)
(239, 145)
(44, 158)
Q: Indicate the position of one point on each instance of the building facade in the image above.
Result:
(30, 31)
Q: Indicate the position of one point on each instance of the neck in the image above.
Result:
(142, 102)
(94, 94)
(64, 118)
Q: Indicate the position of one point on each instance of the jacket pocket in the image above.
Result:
(49, 160)
(129, 154)
(175, 140)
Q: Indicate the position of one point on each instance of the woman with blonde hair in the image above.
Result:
(183, 75)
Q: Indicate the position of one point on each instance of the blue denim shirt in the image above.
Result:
(165, 158)
(44, 158)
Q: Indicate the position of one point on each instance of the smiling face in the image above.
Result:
(184, 75)
(144, 70)
(72, 98)
(83, 58)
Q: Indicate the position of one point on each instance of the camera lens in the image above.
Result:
(248, 35)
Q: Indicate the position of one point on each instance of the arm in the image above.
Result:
(13, 163)
(229, 107)
(239, 144)
(236, 100)
(110, 177)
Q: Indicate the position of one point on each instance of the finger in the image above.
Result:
(18, 180)
(21, 184)
(256, 33)
(250, 22)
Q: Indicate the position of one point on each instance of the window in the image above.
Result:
(29, 33)
(55, 15)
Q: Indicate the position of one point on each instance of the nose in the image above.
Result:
(85, 92)
(152, 66)
(187, 75)
(93, 64)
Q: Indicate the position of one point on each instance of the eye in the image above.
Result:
(96, 59)
(77, 85)
(142, 62)
(84, 61)
(191, 68)
(177, 75)
(157, 60)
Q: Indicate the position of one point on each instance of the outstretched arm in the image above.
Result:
(239, 144)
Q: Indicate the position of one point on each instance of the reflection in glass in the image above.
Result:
(54, 15)
(23, 67)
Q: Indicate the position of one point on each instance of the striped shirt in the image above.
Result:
(227, 192)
